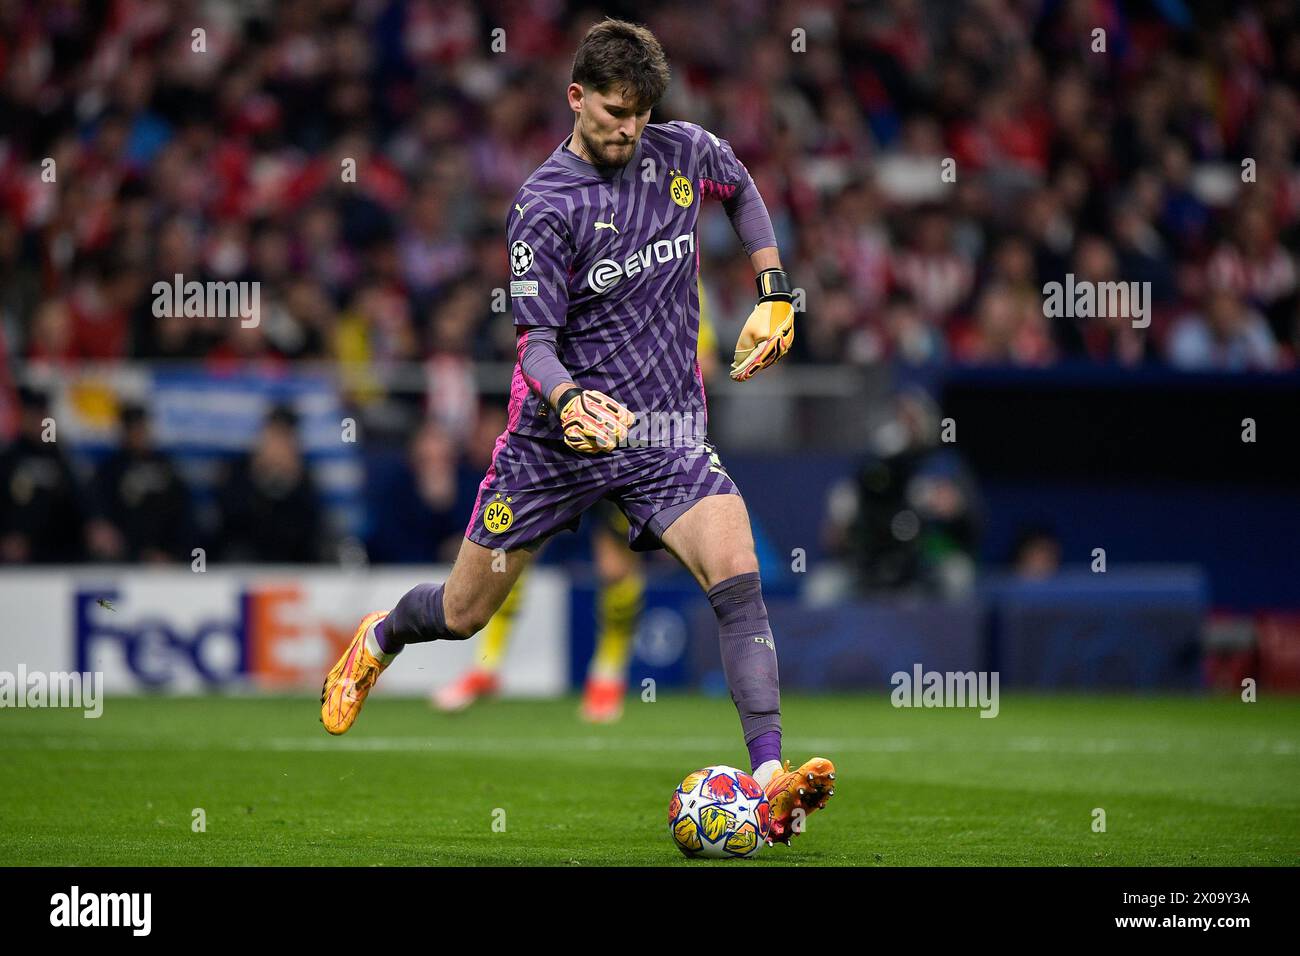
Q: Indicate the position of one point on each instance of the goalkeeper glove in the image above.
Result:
(769, 330)
(592, 421)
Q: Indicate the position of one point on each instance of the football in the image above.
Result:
(719, 812)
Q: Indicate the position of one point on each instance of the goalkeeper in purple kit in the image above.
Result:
(607, 401)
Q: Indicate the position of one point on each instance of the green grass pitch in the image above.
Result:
(1182, 781)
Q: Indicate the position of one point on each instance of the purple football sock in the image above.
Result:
(387, 646)
(417, 618)
(748, 657)
(763, 748)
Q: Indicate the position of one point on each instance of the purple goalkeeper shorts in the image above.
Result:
(538, 486)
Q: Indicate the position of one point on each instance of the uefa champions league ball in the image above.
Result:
(719, 812)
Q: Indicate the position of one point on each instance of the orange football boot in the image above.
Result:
(806, 789)
(602, 700)
(471, 686)
(350, 680)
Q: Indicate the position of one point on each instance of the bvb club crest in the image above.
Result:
(497, 516)
(681, 190)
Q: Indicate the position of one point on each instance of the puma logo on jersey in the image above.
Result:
(523, 207)
(608, 225)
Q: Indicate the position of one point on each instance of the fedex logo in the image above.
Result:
(155, 648)
(145, 634)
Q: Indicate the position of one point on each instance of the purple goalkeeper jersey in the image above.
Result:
(609, 258)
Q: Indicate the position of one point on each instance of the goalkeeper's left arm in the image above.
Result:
(769, 330)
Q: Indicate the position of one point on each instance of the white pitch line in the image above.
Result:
(1073, 746)
(494, 744)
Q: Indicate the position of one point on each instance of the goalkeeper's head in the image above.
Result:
(619, 74)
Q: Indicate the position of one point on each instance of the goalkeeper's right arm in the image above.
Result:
(539, 361)
(592, 421)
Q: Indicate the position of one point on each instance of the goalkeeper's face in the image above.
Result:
(607, 124)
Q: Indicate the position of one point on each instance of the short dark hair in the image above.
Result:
(622, 56)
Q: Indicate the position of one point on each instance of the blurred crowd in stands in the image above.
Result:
(226, 164)
(1169, 156)
(136, 506)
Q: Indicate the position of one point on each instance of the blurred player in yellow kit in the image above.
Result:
(618, 605)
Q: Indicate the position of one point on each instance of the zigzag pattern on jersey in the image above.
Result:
(637, 345)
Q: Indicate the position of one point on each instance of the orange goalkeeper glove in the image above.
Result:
(769, 330)
(592, 421)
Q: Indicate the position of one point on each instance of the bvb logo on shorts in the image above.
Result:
(497, 516)
(681, 191)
